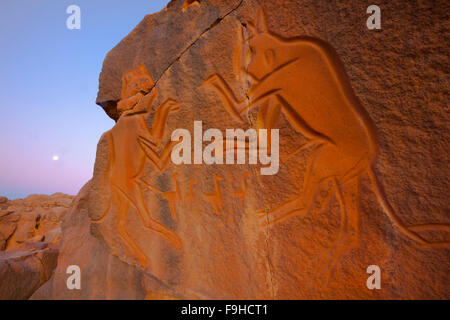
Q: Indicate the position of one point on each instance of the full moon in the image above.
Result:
(55, 158)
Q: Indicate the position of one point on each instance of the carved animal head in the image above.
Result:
(265, 48)
(135, 81)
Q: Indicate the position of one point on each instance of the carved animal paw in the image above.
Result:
(262, 218)
(171, 106)
(174, 240)
(210, 80)
(174, 107)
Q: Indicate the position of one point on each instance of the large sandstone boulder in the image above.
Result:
(78, 247)
(23, 271)
(32, 218)
(8, 225)
(363, 150)
(29, 236)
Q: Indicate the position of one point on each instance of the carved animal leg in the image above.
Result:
(215, 202)
(149, 222)
(268, 115)
(112, 200)
(294, 207)
(351, 197)
(324, 164)
(122, 214)
(283, 211)
(299, 124)
(310, 185)
(159, 161)
(165, 154)
(148, 185)
(217, 208)
(302, 203)
(241, 193)
(173, 209)
(167, 233)
(232, 105)
(348, 196)
(190, 197)
(172, 198)
(170, 236)
(216, 198)
(306, 145)
(161, 116)
(324, 268)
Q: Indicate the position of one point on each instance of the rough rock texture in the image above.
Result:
(25, 270)
(8, 225)
(31, 219)
(78, 246)
(159, 37)
(363, 157)
(29, 238)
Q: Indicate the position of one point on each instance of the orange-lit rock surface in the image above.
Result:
(25, 269)
(29, 236)
(33, 219)
(363, 144)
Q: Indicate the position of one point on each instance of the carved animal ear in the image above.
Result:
(141, 69)
(261, 25)
(252, 29)
(127, 76)
(125, 81)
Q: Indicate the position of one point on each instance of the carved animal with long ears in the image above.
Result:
(130, 144)
(304, 79)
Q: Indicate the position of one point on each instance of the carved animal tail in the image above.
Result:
(409, 231)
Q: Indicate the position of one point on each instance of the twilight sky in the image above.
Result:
(48, 85)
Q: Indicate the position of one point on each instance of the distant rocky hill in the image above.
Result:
(29, 238)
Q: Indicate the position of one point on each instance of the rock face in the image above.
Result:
(362, 172)
(24, 271)
(33, 219)
(29, 238)
(8, 225)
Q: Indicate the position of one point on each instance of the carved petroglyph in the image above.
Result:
(190, 196)
(216, 198)
(130, 144)
(242, 192)
(303, 79)
(189, 3)
(152, 142)
(173, 197)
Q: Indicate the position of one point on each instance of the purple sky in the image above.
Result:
(48, 85)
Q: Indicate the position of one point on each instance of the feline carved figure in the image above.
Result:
(130, 144)
(304, 79)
